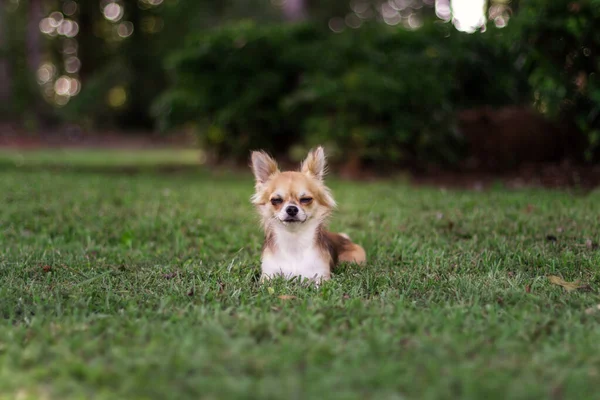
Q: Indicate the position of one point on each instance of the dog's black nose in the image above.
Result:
(291, 211)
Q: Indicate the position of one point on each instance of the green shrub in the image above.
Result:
(389, 96)
(232, 82)
(377, 93)
(560, 45)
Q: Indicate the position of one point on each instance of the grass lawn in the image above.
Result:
(144, 286)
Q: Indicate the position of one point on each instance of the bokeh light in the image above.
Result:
(113, 12)
(70, 46)
(55, 19)
(353, 21)
(117, 97)
(125, 29)
(468, 15)
(390, 15)
(45, 73)
(72, 65)
(442, 10)
(69, 8)
(46, 26)
(337, 24)
(62, 86)
(62, 79)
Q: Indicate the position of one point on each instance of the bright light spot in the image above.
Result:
(390, 15)
(75, 87)
(62, 86)
(353, 21)
(125, 29)
(395, 20)
(72, 64)
(46, 26)
(337, 24)
(399, 5)
(45, 73)
(414, 22)
(388, 12)
(442, 10)
(500, 14)
(154, 2)
(65, 27)
(74, 30)
(469, 15)
(70, 8)
(113, 12)
(117, 97)
(56, 18)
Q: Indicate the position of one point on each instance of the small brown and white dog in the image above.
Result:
(294, 207)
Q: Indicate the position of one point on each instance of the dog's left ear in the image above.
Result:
(315, 164)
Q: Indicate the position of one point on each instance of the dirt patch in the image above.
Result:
(547, 175)
(13, 137)
(551, 175)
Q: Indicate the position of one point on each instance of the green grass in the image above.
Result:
(145, 287)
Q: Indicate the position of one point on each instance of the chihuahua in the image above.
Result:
(294, 208)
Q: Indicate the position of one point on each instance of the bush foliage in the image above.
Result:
(376, 94)
(560, 43)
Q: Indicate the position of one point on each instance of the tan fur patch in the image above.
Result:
(340, 248)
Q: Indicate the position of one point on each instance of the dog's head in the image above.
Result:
(291, 198)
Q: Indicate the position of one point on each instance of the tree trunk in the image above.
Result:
(34, 37)
(5, 79)
(33, 46)
(294, 10)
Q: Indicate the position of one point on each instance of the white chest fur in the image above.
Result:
(295, 254)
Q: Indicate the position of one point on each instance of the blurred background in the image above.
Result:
(385, 85)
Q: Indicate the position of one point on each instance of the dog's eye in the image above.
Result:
(305, 200)
(276, 201)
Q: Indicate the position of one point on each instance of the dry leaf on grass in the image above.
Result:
(286, 297)
(569, 286)
(593, 310)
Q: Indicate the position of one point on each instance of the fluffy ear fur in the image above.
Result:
(315, 164)
(263, 166)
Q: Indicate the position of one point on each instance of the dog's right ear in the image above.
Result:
(263, 166)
